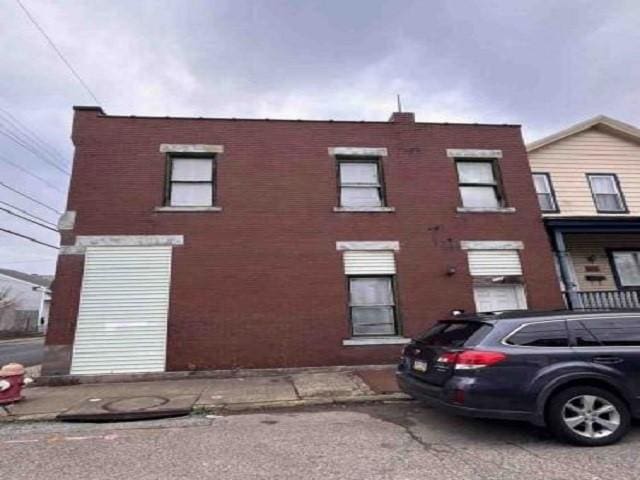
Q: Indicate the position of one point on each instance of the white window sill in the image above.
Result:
(364, 209)
(486, 210)
(354, 342)
(188, 209)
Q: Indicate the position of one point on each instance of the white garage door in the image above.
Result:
(124, 304)
(499, 298)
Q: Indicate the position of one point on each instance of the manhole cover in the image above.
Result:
(134, 404)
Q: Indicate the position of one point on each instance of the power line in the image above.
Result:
(26, 212)
(2, 184)
(24, 170)
(53, 45)
(31, 149)
(22, 217)
(11, 232)
(30, 136)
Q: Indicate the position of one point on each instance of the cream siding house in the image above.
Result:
(588, 182)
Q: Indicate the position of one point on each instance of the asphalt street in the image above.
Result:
(388, 441)
(26, 351)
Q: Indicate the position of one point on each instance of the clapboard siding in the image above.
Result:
(570, 159)
(591, 250)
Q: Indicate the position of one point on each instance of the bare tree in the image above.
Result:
(7, 301)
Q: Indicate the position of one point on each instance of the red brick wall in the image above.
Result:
(261, 284)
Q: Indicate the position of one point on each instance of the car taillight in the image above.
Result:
(473, 359)
(449, 357)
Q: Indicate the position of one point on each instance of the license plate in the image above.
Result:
(420, 366)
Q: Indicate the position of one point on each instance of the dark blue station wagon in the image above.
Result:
(578, 373)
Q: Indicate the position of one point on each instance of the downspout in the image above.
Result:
(573, 299)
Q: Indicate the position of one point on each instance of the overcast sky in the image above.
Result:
(543, 64)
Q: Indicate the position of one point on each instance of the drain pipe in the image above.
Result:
(573, 299)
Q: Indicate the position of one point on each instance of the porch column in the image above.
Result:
(565, 268)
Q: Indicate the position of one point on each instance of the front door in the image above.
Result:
(496, 298)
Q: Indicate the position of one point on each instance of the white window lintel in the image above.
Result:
(491, 245)
(358, 151)
(343, 246)
(190, 148)
(473, 153)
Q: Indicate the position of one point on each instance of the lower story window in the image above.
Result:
(627, 266)
(372, 306)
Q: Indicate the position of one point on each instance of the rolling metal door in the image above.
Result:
(360, 262)
(124, 303)
(494, 262)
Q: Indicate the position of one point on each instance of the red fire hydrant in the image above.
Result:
(11, 382)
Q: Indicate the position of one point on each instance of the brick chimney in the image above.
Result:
(402, 117)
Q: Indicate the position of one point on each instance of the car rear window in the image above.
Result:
(455, 334)
(543, 334)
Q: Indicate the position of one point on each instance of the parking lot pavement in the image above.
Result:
(383, 441)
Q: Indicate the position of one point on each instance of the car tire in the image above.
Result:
(573, 415)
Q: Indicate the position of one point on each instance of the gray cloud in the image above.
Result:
(545, 64)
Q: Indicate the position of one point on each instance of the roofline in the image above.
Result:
(101, 113)
(21, 280)
(625, 129)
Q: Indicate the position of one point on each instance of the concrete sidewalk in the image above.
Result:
(218, 395)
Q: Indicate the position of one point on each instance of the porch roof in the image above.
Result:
(603, 224)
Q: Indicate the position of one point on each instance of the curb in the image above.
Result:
(242, 407)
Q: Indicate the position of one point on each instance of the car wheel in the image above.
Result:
(588, 416)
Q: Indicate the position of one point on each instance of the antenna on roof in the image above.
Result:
(399, 103)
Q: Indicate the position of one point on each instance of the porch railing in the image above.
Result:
(608, 299)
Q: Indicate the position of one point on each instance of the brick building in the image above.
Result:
(194, 243)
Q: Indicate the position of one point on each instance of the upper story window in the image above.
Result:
(191, 181)
(606, 193)
(544, 189)
(360, 182)
(479, 184)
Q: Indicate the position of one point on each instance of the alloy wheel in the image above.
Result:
(591, 416)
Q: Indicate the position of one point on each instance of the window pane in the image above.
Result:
(615, 332)
(609, 202)
(455, 334)
(603, 184)
(541, 183)
(191, 194)
(191, 169)
(628, 267)
(360, 197)
(546, 202)
(479, 197)
(371, 291)
(582, 335)
(365, 173)
(547, 334)
(373, 321)
(475, 172)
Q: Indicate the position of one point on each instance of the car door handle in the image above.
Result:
(608, 359)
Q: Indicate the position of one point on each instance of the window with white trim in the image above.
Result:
(497, 283)
(606, 193)
(371, 293)
(479, 184)
(190, 181)
(544, 190)
(372, 306)
(360, 182)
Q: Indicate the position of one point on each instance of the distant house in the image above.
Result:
(24, 302)
(587, 178)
